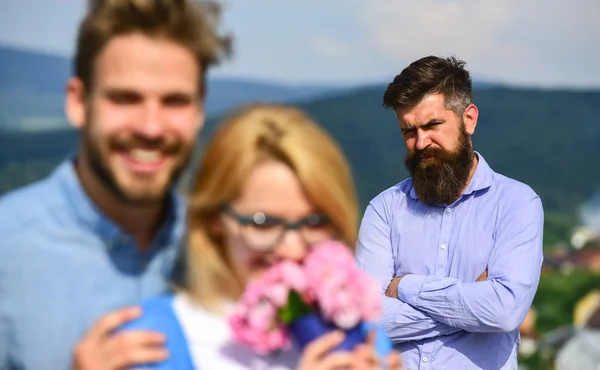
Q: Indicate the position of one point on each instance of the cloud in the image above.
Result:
(329, 47)
(552, 42)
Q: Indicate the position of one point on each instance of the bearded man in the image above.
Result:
(456, 248)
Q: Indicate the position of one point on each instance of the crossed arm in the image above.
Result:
(431, 306)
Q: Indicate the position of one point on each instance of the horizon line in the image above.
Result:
(480, 83)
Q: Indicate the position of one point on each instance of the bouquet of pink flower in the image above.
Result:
(302, 301)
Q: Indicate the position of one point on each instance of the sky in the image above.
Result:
(545, 43)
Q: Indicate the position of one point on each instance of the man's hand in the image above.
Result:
(392, 289)
(482, 277)
(100, 349)
(366, 358)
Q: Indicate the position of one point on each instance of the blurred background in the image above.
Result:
(536, 70)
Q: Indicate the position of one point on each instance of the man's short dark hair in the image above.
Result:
(431, 75)
(190, 23)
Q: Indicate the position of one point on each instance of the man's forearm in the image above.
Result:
(491, 306)
(405, 323)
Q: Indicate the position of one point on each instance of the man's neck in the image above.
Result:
(140, 221)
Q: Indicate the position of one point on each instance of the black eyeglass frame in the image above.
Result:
(313, 219)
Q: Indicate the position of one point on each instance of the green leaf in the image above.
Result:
(295, 308)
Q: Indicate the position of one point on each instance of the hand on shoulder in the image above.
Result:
(105, 348)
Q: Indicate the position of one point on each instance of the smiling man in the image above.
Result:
(101, 232)
(457, 247)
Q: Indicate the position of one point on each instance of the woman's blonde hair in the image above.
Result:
(252, 135)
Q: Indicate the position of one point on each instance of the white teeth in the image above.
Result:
(146, 156)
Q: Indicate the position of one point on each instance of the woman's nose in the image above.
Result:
(292, 246)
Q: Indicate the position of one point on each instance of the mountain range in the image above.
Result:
(548, 139)
(32, 85)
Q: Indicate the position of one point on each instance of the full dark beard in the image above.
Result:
(442, 180)
(100, 167)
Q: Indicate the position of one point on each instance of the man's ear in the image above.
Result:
(470, 116)
(75, 101)
(201, 119)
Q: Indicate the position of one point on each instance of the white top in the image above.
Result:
(211, 344)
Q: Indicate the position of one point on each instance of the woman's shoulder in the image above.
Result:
(158, 315)
(211, 342)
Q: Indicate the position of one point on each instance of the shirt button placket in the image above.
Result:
(425, 360)
(442, 260)
(425, 363)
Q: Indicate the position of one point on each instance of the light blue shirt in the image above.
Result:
(443, 319)
(63, 264)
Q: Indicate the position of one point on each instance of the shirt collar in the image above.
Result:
(87, 214)
(482, 178)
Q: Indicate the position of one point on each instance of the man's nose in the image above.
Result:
(423, 141)
(151, 124)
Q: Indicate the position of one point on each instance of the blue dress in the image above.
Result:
(158, 315)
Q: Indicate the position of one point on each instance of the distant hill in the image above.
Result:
(548, 139)
(32, 85)
(37, 72)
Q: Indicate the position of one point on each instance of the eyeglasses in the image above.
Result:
(262, 232)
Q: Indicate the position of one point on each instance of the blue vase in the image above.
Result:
(308, 327)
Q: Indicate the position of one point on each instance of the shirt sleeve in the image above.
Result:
(500, 303)
(375, 256)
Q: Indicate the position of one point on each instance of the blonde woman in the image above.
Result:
(271, 183)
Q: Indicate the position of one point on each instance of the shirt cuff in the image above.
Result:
(410, 287)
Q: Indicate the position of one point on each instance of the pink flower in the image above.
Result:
(347, 318)
(328, 281)
(254, 322)
(256, 326)
(371, 299)
(330, 254)
(281, 279)
(261, 315)
(345, 294)
(278, 294)
(287, 273)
